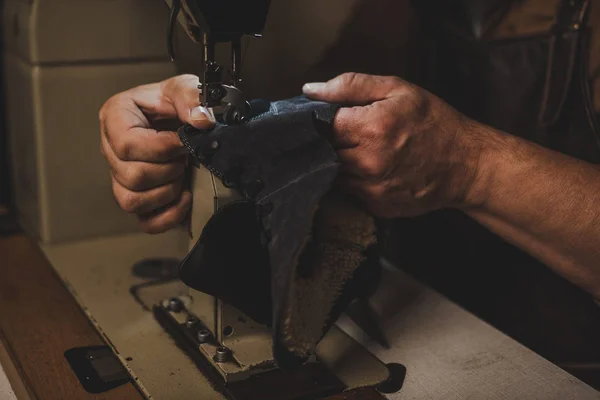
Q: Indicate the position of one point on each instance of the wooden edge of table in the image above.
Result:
(39, 321)
(11, 369)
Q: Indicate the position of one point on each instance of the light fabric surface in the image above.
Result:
(6, 391)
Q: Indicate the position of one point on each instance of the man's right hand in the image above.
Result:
(147, 162)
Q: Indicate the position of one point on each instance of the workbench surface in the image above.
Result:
(6, 390)
(448, 352)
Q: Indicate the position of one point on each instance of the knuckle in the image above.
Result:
(129, 202)
(348, 79)
(121, 148)
(180, 82)
(134, 178)
(151, 227)
(378, 128)
(394, 81)
(372, 167)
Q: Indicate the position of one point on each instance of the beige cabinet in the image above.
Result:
(63, 59)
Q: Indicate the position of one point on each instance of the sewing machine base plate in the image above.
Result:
(312, 381)
(99, 274)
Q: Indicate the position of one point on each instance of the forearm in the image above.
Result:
(544, 202)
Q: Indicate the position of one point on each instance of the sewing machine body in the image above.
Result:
(235, 345)
(238, 347)
(247, 344)
(100, 271)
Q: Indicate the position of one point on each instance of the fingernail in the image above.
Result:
(313, 87)
(201, 114)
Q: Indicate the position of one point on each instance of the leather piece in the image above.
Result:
(229, 262)
(283, 164)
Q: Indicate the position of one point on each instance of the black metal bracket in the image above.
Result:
(97, 368)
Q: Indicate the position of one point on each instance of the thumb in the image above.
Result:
(352, 89)
(182, 92)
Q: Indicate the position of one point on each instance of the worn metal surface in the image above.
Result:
(249, 342)
(451, 354)
(98, 272)
(448, 352)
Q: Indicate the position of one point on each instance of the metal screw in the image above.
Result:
(222, 355)
(203, 336)
(214, 145)
(215, 93)
(191, 321)
(175, 305)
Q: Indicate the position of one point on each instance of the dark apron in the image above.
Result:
(536, 88)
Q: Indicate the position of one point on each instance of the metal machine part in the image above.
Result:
(211, 331)
(199, 340)
(236, 346)
(214, 21)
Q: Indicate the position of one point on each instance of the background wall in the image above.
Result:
(312, 40)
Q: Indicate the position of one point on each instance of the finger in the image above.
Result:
(127, 131)
(347, 127)
(137, 175)
(182, 96)
(352, 89)
(177, 97)
(364, 164)
(169, 217)
(148, 200)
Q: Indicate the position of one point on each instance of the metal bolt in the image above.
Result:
(175, 305)
(203, 336)
(222, 355)
(214, 145)
(191, 321)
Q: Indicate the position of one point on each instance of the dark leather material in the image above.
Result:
(538, 88)
(251, 253)
(229, 261)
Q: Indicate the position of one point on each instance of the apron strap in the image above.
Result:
(571, 15)
(570, 20)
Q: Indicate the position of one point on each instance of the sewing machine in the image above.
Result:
(116, 276)
(211, 331)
